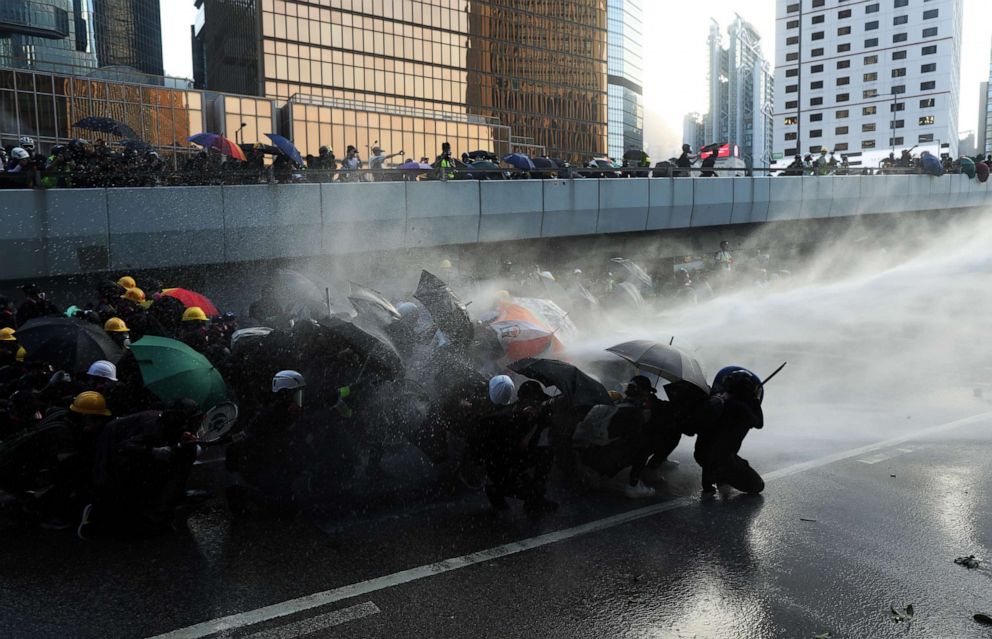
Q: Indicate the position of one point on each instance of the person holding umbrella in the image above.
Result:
(35, 304)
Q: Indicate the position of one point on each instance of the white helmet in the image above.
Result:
(19, 154)
(287, 380)
(408, 309)
(103, 368)
(26, 142)
(501, 390)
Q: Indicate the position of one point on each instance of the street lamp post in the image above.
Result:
(892, 134)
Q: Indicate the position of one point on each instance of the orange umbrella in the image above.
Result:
(522, 334)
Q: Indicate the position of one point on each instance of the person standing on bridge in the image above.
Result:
(378, 160)
(685, 162)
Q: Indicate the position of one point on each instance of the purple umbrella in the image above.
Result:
(412, 165)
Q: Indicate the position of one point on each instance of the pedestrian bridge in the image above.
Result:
(59, 232)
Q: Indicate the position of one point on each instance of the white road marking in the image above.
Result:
(318, 599)
(311, 625)
(874, 459)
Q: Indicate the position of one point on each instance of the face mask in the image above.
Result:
(298, 398)
(126, 343)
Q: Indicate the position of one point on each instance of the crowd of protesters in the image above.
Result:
(906, 164)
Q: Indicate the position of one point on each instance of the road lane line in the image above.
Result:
(318, 623)
(318, 599)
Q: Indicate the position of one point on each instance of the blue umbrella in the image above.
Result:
(520, 161)
(106, 125)
(413, 165)
(286, 147)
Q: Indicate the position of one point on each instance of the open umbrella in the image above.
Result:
(449, 313)
(662, 360)
(967, 167)
(484, 169)
(106, 125)
(192, 298)
(138, 146)
(172, 370)
(519, 161)
(378, 354)
(66, 343)
(287, 147)
(299, 295)
(219, 142)
(413, 165)
(637, 274)
(522, 334)
(551, 314)
(982, 171)
(482, 155)
(581, 389)
(268, 149)
(372, 305)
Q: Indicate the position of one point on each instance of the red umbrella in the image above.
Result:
(219, 142)
(192, 298)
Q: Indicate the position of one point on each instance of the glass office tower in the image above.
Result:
(49, 35)
(129, 33)
(626, 76)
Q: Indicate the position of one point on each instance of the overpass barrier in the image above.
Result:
(61, 232)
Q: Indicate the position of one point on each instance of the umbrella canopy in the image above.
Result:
(300, 296)
(264, 148)
(380, 356)
(66, 343)
(413, 165)
(250, 335)
(482, 155)
(982, 171)
(522, 334)
(449, 313)
(372, 305)
(219, 142)
(192, 298)
(551, 314)
(637, 274)
(968, 167)
(106, 125)
(138, 146)
(484, 167)
(604, 164)
(172, 370)
(519, 161)
(287, 147)
(581, 389)
(662, 360)
(544, 163)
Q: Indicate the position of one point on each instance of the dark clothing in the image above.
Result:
(7, 319)
(34, 307)
(270, 455)
(722, 423)
(684, 162)
(709, 163)
(516, 461)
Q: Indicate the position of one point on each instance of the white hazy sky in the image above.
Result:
(675, 54)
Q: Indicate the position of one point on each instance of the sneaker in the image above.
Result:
(82, 531)
(638, 491)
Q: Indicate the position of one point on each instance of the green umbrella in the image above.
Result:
(172, 370)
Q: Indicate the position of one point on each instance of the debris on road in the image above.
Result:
(904, 615)
(968, 562)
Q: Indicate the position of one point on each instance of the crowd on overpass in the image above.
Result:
(105, 405)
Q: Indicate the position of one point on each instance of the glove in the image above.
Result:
(162, 454)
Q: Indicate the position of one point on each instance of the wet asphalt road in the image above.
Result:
(726, 566)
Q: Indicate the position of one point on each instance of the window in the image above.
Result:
(815, 101)
(792, 104)
(872, 8)
(843, 31)
(792, 24)
(930, 14)
(846, 13)
(871, 59)
(790, 135)
(871, 42)
(899, 88)
(817, 35)
(816, 133)
(842, 97)
(843, 64)
(899, 72)
(792, 88)
(792, 8)
(869, 110)
(818, 3)
(869, 93)
(843, 48)
(816, 68)
(928, 68)
(842, 81)
(790, 152)
(869, 77)
(813, 86)
(897, 106)
(840, 115)
(900, 37)
(791, 73)
(790, 121)
(926, 103)
(898, 124)
(867, 144)
(926, 120)
(815, 148)
(792, 57)
(925, 137)
(816, 52)
(900, 3)
(841, 130)
(899, 55)
(868, 127)
(871, 26)
(792, 40)
(818, 19)
(815, 117)
(840, 147)
(928, 86)
(930, 32)
(895, 141)
(896, 21)
(930, 50)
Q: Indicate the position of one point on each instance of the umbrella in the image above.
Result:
(639, 275)
(219, 142)
(66, 343)
(449, 313)
(982, 171)
(287, 147)
(413, 165)
(545, 164)
(138, 146)
(172, 370)
(485, 168)
(604, 164)
(519, 161)
(551, 314)
(300, 296)
(106, 125)
(192, 298)
(168, 311)
(968, 167)
(662, 360)
(522, 334)
(375, 350)
(581, 389)
(251, 335)
(634, 154)
(264, 148)
(373, 305)
(482, 155)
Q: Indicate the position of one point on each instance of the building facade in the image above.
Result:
(984, 132)
(538, 68)
(694, 130)
(48, 35)
(129, 33)
(741, 93)
(625, 76)
(865, 79)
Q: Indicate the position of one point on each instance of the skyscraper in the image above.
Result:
(625, 76)
(984, 132)
(537, 67)
(866, 78)
(47, 35)
(129, 33)
(741, 92)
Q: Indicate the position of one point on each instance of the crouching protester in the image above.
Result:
(722, 423)
(515, 446)
(141, 465)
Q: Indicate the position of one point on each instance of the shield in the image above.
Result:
(172, 370)
(581, 389)
(449, 313)
(66, 343)
(662, 360)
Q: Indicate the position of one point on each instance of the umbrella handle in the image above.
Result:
(362, 370)
(776, 372)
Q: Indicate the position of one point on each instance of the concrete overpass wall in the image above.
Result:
(65, 232)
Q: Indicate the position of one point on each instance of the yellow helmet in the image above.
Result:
(7, 335)
(135, 294)
(90, 403)
(21, 354)
(194, 314)
(615, 395)
(445, 263)
(126, 282)
(116, 325)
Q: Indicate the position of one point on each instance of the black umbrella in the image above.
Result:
(483, 155)
(485, 169)
(106, 125)
(662, 360)
(372, 305)
(449, 313)
(264, 148)
(378, 354)
(581, 389)
(66, 343)
(138, 146)
(634, 154)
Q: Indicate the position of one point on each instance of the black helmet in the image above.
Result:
(641, 384)
(531, 391)
(739, 382)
